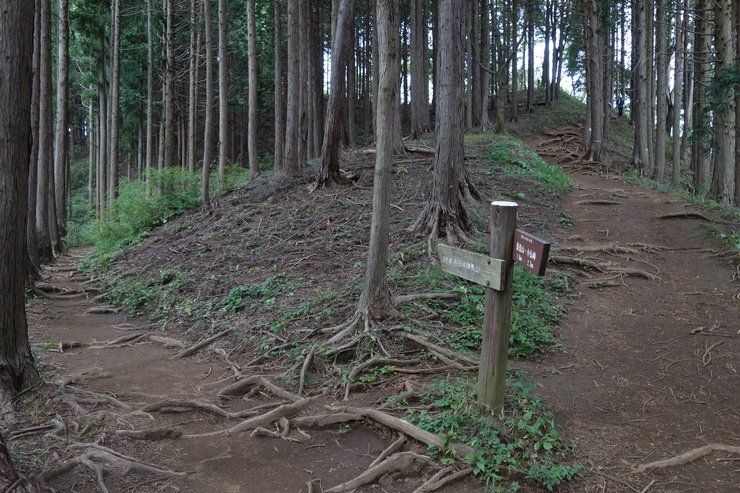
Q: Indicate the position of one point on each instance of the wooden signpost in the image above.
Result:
(507, 246)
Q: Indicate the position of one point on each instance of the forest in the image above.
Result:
(117, 116)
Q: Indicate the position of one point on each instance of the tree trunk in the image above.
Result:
(737, 108)
(375, 301)
(279, 163)
(419, 68)
(45, 187)
(149, 152)
(444, 214)
(208, 130)
(115, 107)
(530, 55)
(61, 139)
(254, 164)
(594, 35)
(700, 155)
(640, 156)
(33, 250)
(16, 51)
(329, 169)
(678, 91)
(169, 85)
(193, 75)
(661, 48)
(724, 117)
(223, 93)
(292, 123)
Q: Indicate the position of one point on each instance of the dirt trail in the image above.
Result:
(650, 372)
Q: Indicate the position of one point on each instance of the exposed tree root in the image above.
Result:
(167, 341)
(411, 430)
(100, 459)
(444, 354)
(688, 456)
(284, 411)
(609, 248)
(244, 386)
(126, 340)
(102, 310)
(405, 298)
(598, 202)
(175, 405)
(304, 369)
(374, 362)
(401, 461)
(197, 347)
(439, 479)
(325, 419)
(152, 434)
(390, 449)
(685, 215)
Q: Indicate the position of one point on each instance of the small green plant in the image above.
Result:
(525, 438)
(732, 240)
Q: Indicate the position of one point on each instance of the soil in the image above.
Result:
(647, 366)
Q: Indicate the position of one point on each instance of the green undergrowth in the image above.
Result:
(521, 447)
(524, 163)
(537, 306)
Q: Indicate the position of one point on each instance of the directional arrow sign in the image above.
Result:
(474, 267)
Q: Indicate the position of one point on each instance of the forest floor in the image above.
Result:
(650, 347)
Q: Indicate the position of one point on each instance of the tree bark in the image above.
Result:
(661, 55)
(292, 123)
(640, 156)
(115, 98)
(149, 151)
(678, 92)
(254, 164)
(31, 240)
(208, 124)
(16, 51)
(61, 137)
(444, 214)
(44, 163)
(375, 300)
(700, 162)
(329, 169)
(279, 91)
(223, 93)
(419, 68)
(193, 76)
(724, 117)
(169, 84)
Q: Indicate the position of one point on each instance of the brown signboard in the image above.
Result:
(530, 252)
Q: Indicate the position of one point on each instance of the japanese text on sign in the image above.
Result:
(530, 252)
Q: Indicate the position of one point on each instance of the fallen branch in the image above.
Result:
(197, 347)
(688, 456)
(402, 461)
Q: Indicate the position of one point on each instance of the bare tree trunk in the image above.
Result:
(149, 152)
(678, 91)
(724, 117)
(292, 124)
(254, 165)
(102, 135)
(279, 91)
(661, 48)
(640, 156)
(45, 186)
(530, 55)
(169, 84)
(61, 139)
(444, 214)
(115, 107)
(329, 169)
(16, 52)
(375, 301)
(737, 109)
(208, 131)
(700, 153)
(594, 143)
(31, 240)
(419, 68)
(486, 68)
(515, 61)
(223, 93)
(193, 86)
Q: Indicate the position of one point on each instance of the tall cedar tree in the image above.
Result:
(444, 213)
(16, 50)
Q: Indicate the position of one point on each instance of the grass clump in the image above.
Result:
(522, 445)
(528, 165)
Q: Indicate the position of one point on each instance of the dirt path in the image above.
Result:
(650, 372)
(651, 365)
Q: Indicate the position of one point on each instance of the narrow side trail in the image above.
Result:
(653, 342)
